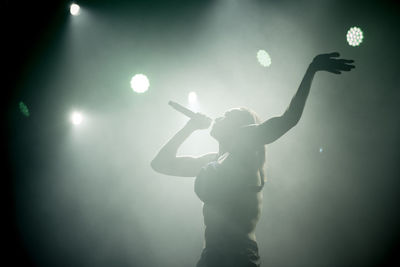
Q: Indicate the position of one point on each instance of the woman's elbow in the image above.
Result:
(292, 120)
(156, 165)
(161, 166)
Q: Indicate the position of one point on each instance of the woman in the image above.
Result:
(230, 182)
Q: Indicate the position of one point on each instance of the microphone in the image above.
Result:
(182, 109)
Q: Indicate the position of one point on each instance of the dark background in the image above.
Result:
(342, 213)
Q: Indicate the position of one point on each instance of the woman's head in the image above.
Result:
(231, 121)
(226, 126)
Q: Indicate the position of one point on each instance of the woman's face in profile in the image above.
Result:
(226, 125)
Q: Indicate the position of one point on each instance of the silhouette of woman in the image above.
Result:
(230, 182)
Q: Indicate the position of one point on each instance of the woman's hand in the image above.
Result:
(326, 62)
(198, 122)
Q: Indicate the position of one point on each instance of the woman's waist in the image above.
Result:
(221, 223)
(228, 237)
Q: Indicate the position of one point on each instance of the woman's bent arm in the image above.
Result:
(167, 162)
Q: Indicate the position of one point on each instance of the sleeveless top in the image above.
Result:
(213, 180)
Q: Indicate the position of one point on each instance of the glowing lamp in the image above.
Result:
(263, 58)
(74, 9)
(354, 36)
(140, 83)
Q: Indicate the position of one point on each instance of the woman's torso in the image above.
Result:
(232, 199)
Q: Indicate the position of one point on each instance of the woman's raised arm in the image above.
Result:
(272, 129)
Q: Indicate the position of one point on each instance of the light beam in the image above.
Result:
(74, 9)
(140, 83)
(76, 118)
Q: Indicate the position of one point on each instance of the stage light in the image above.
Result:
(76, 118)
(354, 36)
(321, 150)
(24, 109)
(263, 58)
(74, 9)
(192, 97)
(140, 83)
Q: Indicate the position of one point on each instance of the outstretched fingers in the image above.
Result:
(343, 64)
(335, 71)
(348, 67)
(329, 62)
(347, 61)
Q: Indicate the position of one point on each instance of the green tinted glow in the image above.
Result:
(263, 58)
(354, 36)
(24, 109)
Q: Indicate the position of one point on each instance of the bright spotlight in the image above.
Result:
(74, 9)
(263, 58)
(354, 36)
(192, 97)
(76, 118)
(140, 83)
